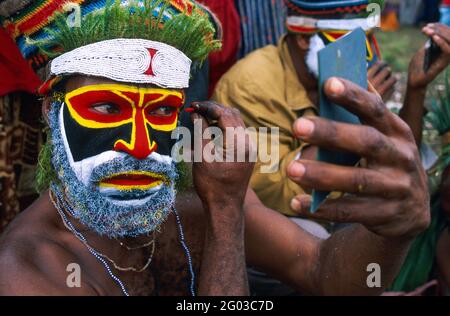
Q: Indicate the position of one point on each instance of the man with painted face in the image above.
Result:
(276, 85)
(115, 213)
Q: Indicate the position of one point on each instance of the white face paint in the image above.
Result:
(83, 169)
(316, 44)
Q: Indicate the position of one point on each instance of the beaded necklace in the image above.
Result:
(60, 203)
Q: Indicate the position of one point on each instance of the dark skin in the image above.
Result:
(418, 81)
(381, 79)
(380, 76)
(226, 226)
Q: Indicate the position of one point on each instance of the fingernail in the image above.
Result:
(303, 127)
(296, 170)
(336, 86)
(296, 205)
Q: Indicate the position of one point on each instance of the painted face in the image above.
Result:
(121, 118)
(112, 147)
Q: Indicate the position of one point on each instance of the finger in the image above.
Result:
(443, 44)
(365, 141)
(376, 68)
(439, 29)
(381, 76)
(350, 209)
(209, 109)
(387, 87)
(199, 119)
(369, 107)
(359, 181)
(440, 64)
(224, 117)
(301, 203)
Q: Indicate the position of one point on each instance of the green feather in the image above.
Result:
(192, 34)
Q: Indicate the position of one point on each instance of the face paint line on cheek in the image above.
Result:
(137, 134)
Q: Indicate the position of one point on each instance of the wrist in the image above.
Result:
(224, 215)
(416, 88)
(229, 202)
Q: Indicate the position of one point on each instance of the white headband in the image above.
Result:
(342, 24)
(128, 60)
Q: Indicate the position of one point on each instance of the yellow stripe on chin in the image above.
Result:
(130, 187)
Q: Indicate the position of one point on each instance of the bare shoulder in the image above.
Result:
(33, 256)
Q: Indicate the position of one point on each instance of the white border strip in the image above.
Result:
(342, 24)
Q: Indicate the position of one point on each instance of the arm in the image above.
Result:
(221, 186)
(413, 109)
(387, 200)
(279, 247)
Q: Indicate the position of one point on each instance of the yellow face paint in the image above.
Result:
(108, 106)
(134, 180)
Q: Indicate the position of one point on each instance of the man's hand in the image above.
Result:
(223, 182)
(417, 78)
(222, 187)
(380, 76)
(389, 196)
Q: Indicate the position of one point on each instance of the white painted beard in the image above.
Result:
(316, 44)
(120, 213)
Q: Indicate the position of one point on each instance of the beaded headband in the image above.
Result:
(307, 25)
(127, 60)
(309, 17)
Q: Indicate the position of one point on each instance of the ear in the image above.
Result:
(302, 41)
(46, 105)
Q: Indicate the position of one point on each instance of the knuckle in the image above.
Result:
(375, 140)
(404, 129)
(378, 108)
(409, 160)
(404, 188)
(360, 180)
(337, 213)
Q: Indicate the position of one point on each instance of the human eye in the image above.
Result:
(162, 111)
(106, 108)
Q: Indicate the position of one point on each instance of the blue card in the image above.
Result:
(345, 58)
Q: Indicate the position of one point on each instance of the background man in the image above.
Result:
(275, 85)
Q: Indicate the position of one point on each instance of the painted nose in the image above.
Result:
(140, 146)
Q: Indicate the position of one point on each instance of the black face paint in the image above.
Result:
(137, 121)
(88, 142)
